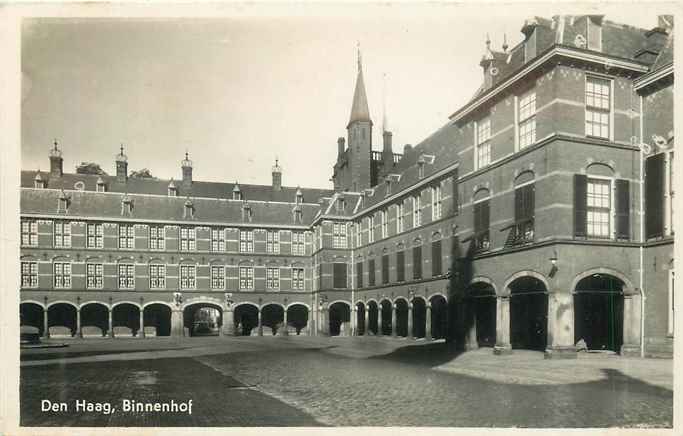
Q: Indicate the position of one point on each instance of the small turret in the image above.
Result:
(186, 166)
(56, 161)
(277, 176)
(121, 167)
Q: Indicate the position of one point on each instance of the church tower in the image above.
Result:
(359, 132)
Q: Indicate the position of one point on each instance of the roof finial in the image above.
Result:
(121, 149)
(187, 157)
(360, 58)
(55, 143)
(488, 41)
(505, 42)
(276, 161)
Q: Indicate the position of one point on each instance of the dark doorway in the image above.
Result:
(439, 317)
(372, 317)
(62, 318)
(386, 317)
(599, 312)
(297, 317)
(94, 319)
(32, 314)
(482, 302)
(360, 319)
(528, 314)
(419, 317)
(401, 317)
(157, 319)
(272, 315)
(246, 319)
(340, 318)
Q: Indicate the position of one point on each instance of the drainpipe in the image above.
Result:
(354, 322)
(642, 233)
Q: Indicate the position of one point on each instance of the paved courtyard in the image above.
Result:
(372, 381)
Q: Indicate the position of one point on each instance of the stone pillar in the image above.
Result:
(428, 321)
(471, 342)
(410, 335)
(260, 326)
(393, 320)
(313, 321)
(177, 327)
(632, 302)
(560, 325)
(141, 332)
(46, 325)
(228, 327)
(111, 322)
(502, 325)
(354, 321)
(284, 322)
(366, 325)
(379, 320)
(326, 321)
(79, 332)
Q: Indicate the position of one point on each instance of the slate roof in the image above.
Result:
(160, 187)
(359, 106)
(164, 208)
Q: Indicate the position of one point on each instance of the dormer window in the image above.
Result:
(530, 46)
(189, 209)
(299, 196)
(172, 189)
(388, 185)
(298, 215)
(594, 30)
(420, 168)
(247, 213)
(63, 202)
(126, 205)
(341, 204)
(38, 181)
(237, 193)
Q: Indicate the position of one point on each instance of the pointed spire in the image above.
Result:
(385, 121)
(359, 107)
(121, 157)
(505, 42)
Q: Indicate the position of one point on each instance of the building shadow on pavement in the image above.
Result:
(434, 354)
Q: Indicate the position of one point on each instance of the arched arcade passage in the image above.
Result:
(157, 319)
(439, 316)
(94, 320)
(203, 319)
(401, 317)
(126, 320)
(272, 316)
(246, 319)
(482, 302)
(340, 317)
(31, 314)
(61, 319)
(599, 312)
(528, 314)
(297, 317)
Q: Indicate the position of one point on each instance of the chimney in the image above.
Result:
(341, 145)
(277, 176)
(121, 167)
(186, 165)
(56, 162)
(387, 152)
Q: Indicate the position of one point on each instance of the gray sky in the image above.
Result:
(236, 92)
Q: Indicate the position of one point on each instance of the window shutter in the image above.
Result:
(436, 258)
(359, 274)
(385, 268)
(400, 266)
(371, 272)
(519, 204)
(654, 196)
(339, 275)
(580, 205)
(485, 215)
(623, 201)
(477, 218)
(417, 262)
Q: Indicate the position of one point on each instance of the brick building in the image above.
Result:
(539, 216)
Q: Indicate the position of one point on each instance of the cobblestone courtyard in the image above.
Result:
(307, 381)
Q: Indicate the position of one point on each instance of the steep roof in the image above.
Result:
(359, 106)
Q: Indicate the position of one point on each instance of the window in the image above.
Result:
(298, 247)
(436, 202)
(527, 119)
(417, 262)
(273, 278)
(371, 272)
(481, 226)
(246, 241)
(62, 234)
(669, 193)
(359, 274)
(217, 277)
(298, 279)
(188, 239)
(246, 277)
(594, 35)
(671, 301)
(126, 236)
(371, 228)
(273, 242)
(29, 274)
(94, 237)
(400, 266)
(62, 275)
(598, 107)
(598, 202)
(385, 223)
(188, 276)
(483, 151)
(417, 213)
(385, 269)
(339, 275)
(29, 232)
(399, 217)
(339, 232)
(126, 276)
(523, 230)
(157, 276)
(156, 238)
(437, 258)
(93, 273)
(359, 234)
(420, 169)
(217, 239)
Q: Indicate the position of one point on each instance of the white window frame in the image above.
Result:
(669, 192)
(612, 210)
(157, 276)
(417, 211)
(525, 118)
(159, 239)
(188, 238)
(29, 274)
(246, 278)
(246, 241)
(298, 243)
(126, 275)
(339, 235)
(29, 233)
(672, 313)
(298, 278)
(384, 221)
(436, 202)
(62, 234)
(598, 109)
(217, 276)
(482, 141)
(588, 34)
(126, 236)
(273, 241)
(217, 240)
(94, 275)
(94, 235)
(359, 234)
(371, 228)
(272, 278)
(62, 279)
(399, 217)
(188, 276)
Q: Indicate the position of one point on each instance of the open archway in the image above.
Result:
(246, 319)
(385, 307)
(61, 319)
(372, 317)
(340, 317)
(126, 320)
(272, 316)
(297, 317)
(31, 314)
(419, 317)
(528, 313)
(94, 320)
(157, 319)
(439, 316)
(599, 312)
(401, 317)
(482, 302)
(360, 318)
(203, 319)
